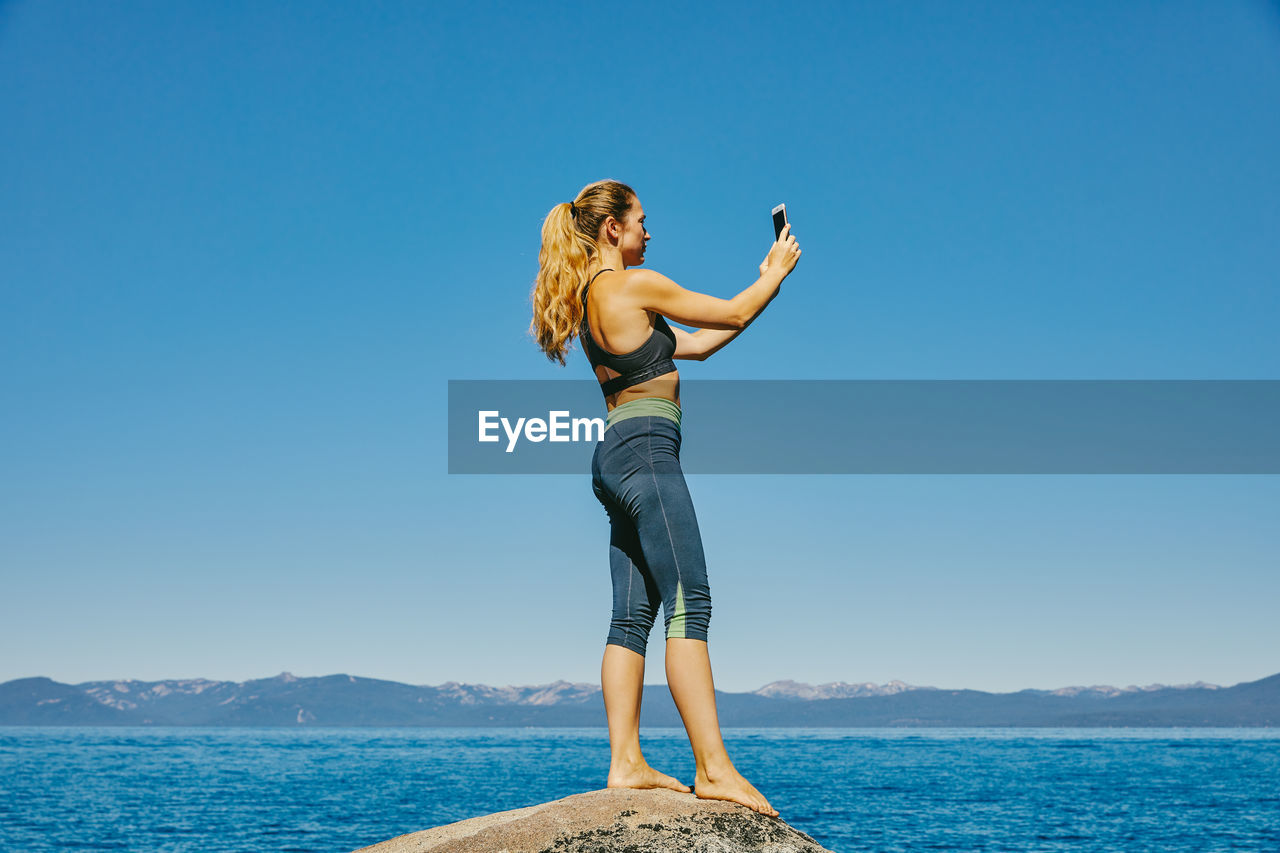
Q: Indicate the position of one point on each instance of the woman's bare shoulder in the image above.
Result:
(633, 284)
(640, 278)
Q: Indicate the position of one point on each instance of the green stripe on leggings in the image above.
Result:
(676, 629)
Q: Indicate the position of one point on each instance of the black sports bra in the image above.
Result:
(650, 359)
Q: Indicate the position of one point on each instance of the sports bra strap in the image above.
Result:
(593, 281)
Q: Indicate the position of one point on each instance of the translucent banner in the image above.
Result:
(888, 426)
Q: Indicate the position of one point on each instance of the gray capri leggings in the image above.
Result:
(655, 548)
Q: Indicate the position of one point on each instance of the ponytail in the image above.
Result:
(568, 247)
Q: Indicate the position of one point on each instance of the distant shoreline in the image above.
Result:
(346, 701)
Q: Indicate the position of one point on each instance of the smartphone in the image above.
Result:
(779, 220)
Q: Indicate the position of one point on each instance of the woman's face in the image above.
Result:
(634, 235)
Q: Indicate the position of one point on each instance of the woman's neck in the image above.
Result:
(610, 258)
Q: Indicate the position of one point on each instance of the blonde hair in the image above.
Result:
(568, 246)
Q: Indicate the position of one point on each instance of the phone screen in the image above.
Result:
(779, 220)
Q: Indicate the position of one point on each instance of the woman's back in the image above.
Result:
(631, 356)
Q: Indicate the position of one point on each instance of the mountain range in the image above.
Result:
(347, 700)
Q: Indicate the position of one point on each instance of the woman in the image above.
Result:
(585, 287)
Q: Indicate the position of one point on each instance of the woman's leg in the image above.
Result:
(635, 604)
(622, 677)
(689, 677)
(667, 527)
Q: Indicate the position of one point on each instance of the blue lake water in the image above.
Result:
(336, 789)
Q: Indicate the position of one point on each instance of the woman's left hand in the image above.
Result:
(764, 265)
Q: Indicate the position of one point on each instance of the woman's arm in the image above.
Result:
(702, 344)
(653, 291)
(699, 345)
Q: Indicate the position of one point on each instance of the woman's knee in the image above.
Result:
(633, 618)
(634, 640)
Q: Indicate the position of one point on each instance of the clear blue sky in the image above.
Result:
(243, 247)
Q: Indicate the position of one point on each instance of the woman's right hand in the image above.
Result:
(784, 254)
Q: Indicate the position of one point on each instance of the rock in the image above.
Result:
(612, 820)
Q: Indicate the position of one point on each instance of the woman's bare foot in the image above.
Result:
(642, 776)
(732, 786)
